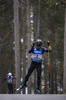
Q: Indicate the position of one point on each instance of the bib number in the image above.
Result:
(37, 56)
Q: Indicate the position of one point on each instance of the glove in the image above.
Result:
(33, 44)
(48, 43)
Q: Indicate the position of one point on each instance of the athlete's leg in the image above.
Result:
(30, 70)
(38, 68)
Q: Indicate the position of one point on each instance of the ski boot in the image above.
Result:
(37, 91)
(21, 87)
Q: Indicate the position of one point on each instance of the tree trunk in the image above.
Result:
(37, 19)
(64, 76)
(28, 45)
(17, 43)
(38, 23)
(24, 61)
(45, 76)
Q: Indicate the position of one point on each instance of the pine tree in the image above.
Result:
(17, 42)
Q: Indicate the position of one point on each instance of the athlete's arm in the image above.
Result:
(44, 49)
(31, 50)
(13, 77)
(6, 78)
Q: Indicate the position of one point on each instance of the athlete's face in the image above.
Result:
(38, 46)
(9, 76)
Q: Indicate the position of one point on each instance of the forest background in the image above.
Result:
(21, 23)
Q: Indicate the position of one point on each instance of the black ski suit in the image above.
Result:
(36, 63)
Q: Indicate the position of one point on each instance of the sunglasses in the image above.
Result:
(38, 45)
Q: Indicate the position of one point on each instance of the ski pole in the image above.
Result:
(48, 44)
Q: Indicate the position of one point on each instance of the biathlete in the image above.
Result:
(37, 52)
(9, 79)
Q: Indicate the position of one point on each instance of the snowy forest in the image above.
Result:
(21, 23)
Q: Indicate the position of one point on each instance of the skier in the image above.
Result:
(9, 79)
(37, 52)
